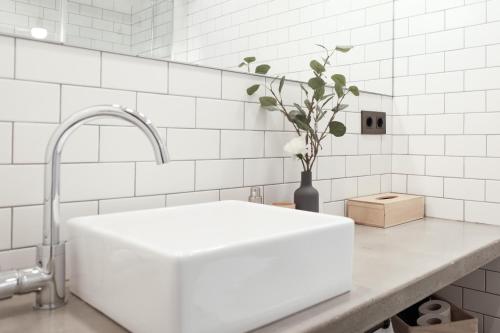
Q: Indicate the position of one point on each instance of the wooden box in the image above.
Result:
(461, 322)
(385, 209)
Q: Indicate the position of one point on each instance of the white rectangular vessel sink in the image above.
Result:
(221, 267)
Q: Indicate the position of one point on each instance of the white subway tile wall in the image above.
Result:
(220, 140)
(283, 33)
(446, 123)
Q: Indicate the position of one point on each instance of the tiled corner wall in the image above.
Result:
(446, 123)
(283, 33)
(220, 141)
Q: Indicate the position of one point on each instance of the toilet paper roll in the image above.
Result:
(432, 319)
(436, 307)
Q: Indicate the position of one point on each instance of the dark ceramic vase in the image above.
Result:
(306, 197)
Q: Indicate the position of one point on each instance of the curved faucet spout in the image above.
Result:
(48, 278)
(56, 144)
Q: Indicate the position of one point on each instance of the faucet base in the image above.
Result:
(53, 294)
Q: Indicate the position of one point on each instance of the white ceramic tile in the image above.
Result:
(408, 125)
(88, 181)
(400, 144)
(444, 40)
(194, 81)
(426, 23)
(444, 124)
(357, 166)
(6, 57)
(368, 185)
(452, 294)
(172, 177)
(279, 193)
(370, 144)
(425, 185)
(21, 185)
(331, 167)
(214, 113)
(5, 143)
(31, 139)
(5, 228)
(192, 198)
(482, 123)
(426, 104)
(482, 212)
(125, 144)
(345, 145)
(380, 164)
(426, 63)
(408, 164)
(29, 101)
(263, 171)
(257, 118)
(242, 144)
(275, 143)
(426, 144)
(18, 258)
(234, 86)
(493, 100)
(27, 226)
(56, 63)
(480, 302)
(465, 59)
(482, 34)
(133, 73)
(468, 189)
(219, 174)
(444, 166)
(167, 110)
(344, 188)
(185, 144)
(482, 168)
(129, 204)
(334, 208)
(483, 78)
(444, 82)
(466, 145)
(76, 98)
(493, 191)
(398, 183)
(444, 208)
(492, 282)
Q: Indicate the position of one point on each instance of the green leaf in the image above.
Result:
(337, 128)
(339, 90)
(343, 48)
(319, 93)
(299, 108)
(339, 79)
(316, 82)
(316, 66)
(242, 64)
(282, 82)
(262, 69)
(340, 107)
(300, 120)
(267, 101)
(251, 90)
(354, 90)
(249, 60)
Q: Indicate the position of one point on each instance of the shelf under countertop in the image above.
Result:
(393, 268)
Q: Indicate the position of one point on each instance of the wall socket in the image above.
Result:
(373, 122)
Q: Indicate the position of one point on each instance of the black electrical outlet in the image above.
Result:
(372, 122)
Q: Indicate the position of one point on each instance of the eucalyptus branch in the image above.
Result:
(308, 114)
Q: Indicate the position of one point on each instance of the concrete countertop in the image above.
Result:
(393, 268)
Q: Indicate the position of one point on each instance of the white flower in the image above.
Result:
(296, 146)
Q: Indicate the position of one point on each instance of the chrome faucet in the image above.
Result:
(48, 277)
